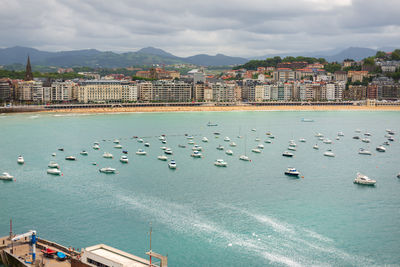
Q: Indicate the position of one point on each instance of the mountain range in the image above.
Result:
(150, 55)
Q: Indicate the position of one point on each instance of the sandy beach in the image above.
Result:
(225, 108)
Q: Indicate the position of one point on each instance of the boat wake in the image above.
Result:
(257, 234)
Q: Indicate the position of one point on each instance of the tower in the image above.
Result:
(28, 73)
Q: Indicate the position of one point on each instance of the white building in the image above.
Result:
(129, 92)
(62, 91)
(99, 90)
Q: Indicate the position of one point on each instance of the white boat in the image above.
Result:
(96, 147)
(84, 153)
(54, 171)
(140, 140)
(327, 141)
(141, 152)
(196, 154)
(365, 140)
(302, 140)
(229, 152)
(398, 175)
(70, 158)
(168, 151)
(204, 139)
(107, 155)
(172, 164)
(391, 139)
(162, 157)
(380, 149)
(124, 159)
(107, 170)
(268, 141)
(254, 129)
(54, 154)
(287, 154)
(244, 158)
(272, 137)
(189, 137)
(257, 139)
(147, 144)
(364, 180)
(164, 141)
(53, 164)
(307, 120)
(232, 144)
(320, 138)
(340, 134)
(337, 138)
(358, 131)
(197, 147)
(292, 172)
(182, 146)
(163, 147)
(227, 139)
(260, 146)
(367, 134)
(292, 148)
(386, 143)
(220, 163)
(191, 142)
(363, 151)
(116, 141)
(6, 177)
(319, 135)
(220, 147)
(161, 138)
(118, 146)
(211, 124)
(329, 153)
(256, 150)
(20, 160)
(315, 146)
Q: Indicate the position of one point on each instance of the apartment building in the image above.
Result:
(99, 90)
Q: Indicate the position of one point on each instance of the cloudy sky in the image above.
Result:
(187, 27)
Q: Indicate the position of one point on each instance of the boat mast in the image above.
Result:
(151, 230)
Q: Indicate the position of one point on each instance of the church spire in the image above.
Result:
(28, 73)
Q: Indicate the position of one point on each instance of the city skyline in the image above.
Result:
(233, 28)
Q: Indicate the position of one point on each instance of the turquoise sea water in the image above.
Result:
(248, 214)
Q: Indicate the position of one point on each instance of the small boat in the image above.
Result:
(260, 146)
(398, 175)
(70, 158)
(232, 144)
(125, 151)
(20, 160)
(256, 150)
(340, 134)
(54, 154)
(337, 138)
(386, 143)
(141, 152)
(118, 146)
(363, 151)
(257, 139)
(302, 140)
(164, 141)
(268, 133)
(307, 120)
(287, 154)
(168, 151)
(292, 172)
(244, 158)
(172, 164)
(161, 138)
(220, 147)
(53, 164)
(163, 157)
(182, 146)
(220, 163)
(320, 138)
(315, 146)
(327, 141)
(146, 144)
(227, 139)
(268, 141)
(365, 140)
(108, 170)
(204, 139)
(191, 142)
(124, 159)
(216, 133)
(391, 139)
(140, 140)
(211, 124)
(107, 155)
(54, 171)
(229, 152)
(329, 153)
(367, 134)
(5, 176)
(356, 137)
(116, 141)
(94, 163)
(196, 154)
(271, 136)
(163, 148)
(189, 137)
(364, 180)
(358, 131)
(392, 132)
(292, 143)
(197, 147)
(61, 149)
(96, 147)
(319, 135)
(84, 153)
(380, 149)
(254, 129)
(292, 148)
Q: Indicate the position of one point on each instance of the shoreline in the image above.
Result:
(222, 108)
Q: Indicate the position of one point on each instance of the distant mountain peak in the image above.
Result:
(155, 51)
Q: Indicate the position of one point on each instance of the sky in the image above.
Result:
(188, 27)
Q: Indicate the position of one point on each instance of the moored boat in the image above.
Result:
(380, 149)
(363, 151)
(287, 154)
(244, 158)
(54, 171)
(162, 157)
(172, 164)
(292, 172)
(5, 176)
(53, 164)
(220, 147)
(220, 163)
(108, 170)
(107, 155)
(364, 180)
(20, 160)
(84, 153)
(124, 159)
(196, 154)
(229, 152)
(329, 153)
(256, 150)
(141, 152)
(70, 158)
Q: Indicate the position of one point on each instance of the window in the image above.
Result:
(96, 263)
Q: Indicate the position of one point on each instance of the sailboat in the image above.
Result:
(239, 136)
(244, 157)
